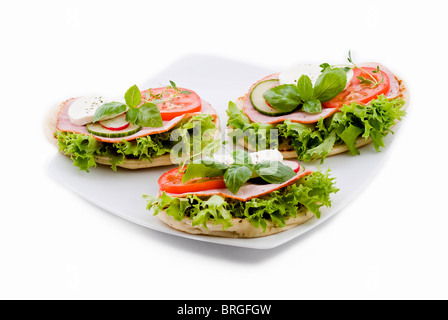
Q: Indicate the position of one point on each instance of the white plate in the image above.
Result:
(217, 80)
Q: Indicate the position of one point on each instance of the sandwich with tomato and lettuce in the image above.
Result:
(243, 195)
(134, 132)
(314, 111)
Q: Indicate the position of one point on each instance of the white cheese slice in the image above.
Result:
(255, 157)
(265, 155)
(292, 75)
(226, 159)
(81, 112)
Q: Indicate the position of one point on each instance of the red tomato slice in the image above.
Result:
(361, 93)
(174, 103)
(171, 182)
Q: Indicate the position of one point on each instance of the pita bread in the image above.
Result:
(241, 228)
(50, 127)
(289, 153)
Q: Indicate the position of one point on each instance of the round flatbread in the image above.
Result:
(50, 127)
(241, 228)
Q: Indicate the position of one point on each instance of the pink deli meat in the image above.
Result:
(303, 117)
(65, 125)
(247, 192)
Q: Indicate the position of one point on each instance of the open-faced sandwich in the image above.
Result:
(241, 196)
(315, 111)
(135, 132)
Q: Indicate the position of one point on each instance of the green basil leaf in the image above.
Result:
(201, 170)
(185, 92)
(211, 163)
(236, 176)
(241, 157)
(330, 84)
(108, 109)
(274, 172)
(312, 106)
(132, 115)
(284, 97)
(173, 85)
(305, 88)
(149, 116)
(133, 96)
(325, 67)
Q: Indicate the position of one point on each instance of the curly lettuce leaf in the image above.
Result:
(257, 135)
(145, 147)
(300, 135)
(83, 148)
(373, 121)
(237, 119)
(321, 150)
(349, 135)
(313, 191)
(194, 137)
(309, 140)
(80, 148)
(213, 209)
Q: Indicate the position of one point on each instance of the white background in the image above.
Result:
(390, 243)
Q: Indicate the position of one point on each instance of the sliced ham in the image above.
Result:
(64, 124)
(303, 117)
(247, 192)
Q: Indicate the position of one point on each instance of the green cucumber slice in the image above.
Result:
(117, 123)
(258, 101)
(98, 130)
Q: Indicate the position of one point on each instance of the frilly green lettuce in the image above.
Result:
(82, 149)
(374, 121)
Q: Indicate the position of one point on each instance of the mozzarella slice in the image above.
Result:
(292, 75)
(81, 112)
(226, 159)
(265, 155)
(255, 157)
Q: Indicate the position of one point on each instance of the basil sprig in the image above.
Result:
(108, 109)
(285, 97)
(174, 86)
(147, 115)
(237, 174)
(329, 84)
(288, 97)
